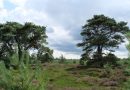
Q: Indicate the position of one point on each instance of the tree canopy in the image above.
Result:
(16, 37)
(101, 33)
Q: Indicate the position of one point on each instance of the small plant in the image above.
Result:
(23, 78)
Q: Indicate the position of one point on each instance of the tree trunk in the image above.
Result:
(19, 52)
(99, 52)
(99, 55)
(19, 48)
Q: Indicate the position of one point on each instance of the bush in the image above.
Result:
(127, 72)
(82, 62)
(22, 78)
(111, 59)
(126, 85)
(74, 61)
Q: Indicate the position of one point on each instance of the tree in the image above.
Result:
(7, 40)
(45, 54)
(101, 33)
(15, 37)
(30, 36)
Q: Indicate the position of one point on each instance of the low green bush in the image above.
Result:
(25, 77)
(127, 72)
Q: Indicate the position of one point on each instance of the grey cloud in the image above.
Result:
(72, 15)
(66, 47)
(49, 30)
(75, 32)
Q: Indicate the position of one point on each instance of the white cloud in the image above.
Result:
(22, 15)
(58, 53)
(1, 4)
(121, 54)
(20, 3)
(60, 34)
(3, 15)
(63, 15)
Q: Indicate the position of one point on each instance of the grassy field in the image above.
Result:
(65, 76)
(75, 77)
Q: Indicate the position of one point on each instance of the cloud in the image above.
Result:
(121, 54)
(58, 53)
(3, 12)
(60, 39)
(19, 3)
(1, 4)
(64, 19)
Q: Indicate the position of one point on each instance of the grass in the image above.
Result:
(71, 77)
(66, 76)
(56, 75)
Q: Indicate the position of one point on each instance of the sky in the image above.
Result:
(64, 19)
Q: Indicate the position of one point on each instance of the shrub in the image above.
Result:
(127, 72)
(81, 62)
(111, 59)
(22, 78)
(74, 61)
(62, 59)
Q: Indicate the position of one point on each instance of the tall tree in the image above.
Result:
(30, 36)
(7, 40)
(15, 37)
(101, 33)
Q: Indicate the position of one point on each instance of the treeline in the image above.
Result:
(100, 34)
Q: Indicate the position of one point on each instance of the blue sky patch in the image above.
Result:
(8, 5)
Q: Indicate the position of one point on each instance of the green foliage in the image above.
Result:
(127, 72)
(71, 77)
(101, 33)
(14, 59)
(74, 62)
(126, 85)
(82, 62)
(126, 66)
(25, 77)
(128, 38)
(33, 58)
(45, 54)
(111, 60)
(62, 59)
(25, 58)
(84, 59)
(125, 63)
(15, 37)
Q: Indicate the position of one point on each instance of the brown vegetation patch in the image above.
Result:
(108, 82)
(90, 80)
